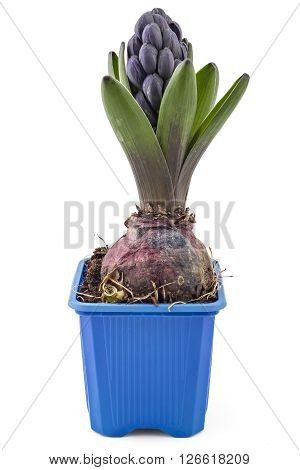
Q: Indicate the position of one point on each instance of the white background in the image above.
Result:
(47, 159)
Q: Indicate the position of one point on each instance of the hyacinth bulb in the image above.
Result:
(154, 52)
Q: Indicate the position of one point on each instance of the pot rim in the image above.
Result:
(101, 308)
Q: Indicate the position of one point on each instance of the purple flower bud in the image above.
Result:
(135, 71)
(165, 66)
(184, 50)
(166, 84)
(175, 47)
(142, 22)
(148, 58)
(133, 46)
(177, 30)
(152, 35)
(159, 11)
(154, 51)
(153, 89)
(161, 22)
(151, 115)
(185, 44)
(176, 63)
(167, 37)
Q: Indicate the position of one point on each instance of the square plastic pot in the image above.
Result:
(145, 366)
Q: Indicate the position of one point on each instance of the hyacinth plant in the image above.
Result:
(164, 115)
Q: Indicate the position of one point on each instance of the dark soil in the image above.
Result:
(92, 278)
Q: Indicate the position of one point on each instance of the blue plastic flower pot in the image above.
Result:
(146, 367)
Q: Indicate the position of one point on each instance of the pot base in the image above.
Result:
(147, 372)
(146, 367)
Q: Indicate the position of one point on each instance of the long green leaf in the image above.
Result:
(122, 68)
(113, 65)
(207, 131)
(139, 142)
(176, 116)
(207, 80)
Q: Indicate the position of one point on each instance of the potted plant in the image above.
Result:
(147, 304)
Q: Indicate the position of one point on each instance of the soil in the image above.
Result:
(92, 280)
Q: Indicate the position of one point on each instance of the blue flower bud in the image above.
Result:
(161, 22)
(154, 51)
(160, 11)
(135, 71)
(166, 84)
(175, 47)
(146, 18)
(148, 58)
(152, 35)
(153, 89)
(177, 30)
(165, 66)
(167, 38)
(150, 113)
(176, 63)
(184, 50)
(133, 46)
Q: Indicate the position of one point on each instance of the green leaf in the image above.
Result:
(176, 116)
(207, 87)
(207, 131)
(139, 142)
(122, 68)
(113, 65)
(190, 51)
